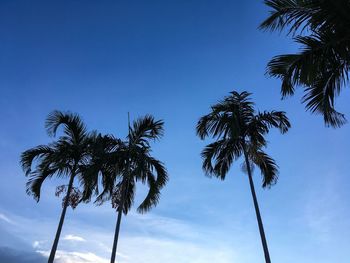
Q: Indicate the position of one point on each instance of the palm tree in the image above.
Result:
(322, 29)
(124, 164)
(65, 157)
(239, 131)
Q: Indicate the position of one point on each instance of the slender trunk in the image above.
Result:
(257, 211)
(117, 228)
(120, 208)
(58, 233)
(116, 235)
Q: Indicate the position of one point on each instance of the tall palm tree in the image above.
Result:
(63, 158)
(124, 164)
(322, 29)
(239, 131)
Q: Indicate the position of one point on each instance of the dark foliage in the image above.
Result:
(238, 129)
(322, 29)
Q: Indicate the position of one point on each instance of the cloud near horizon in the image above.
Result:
(163, 239)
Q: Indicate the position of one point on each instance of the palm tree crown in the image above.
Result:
(127, 162)
(322, 28)
(237, 129)
(61, 158)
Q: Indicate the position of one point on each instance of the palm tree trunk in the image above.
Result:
(257, 211)
(63, 214)
(120, 210)
(119, 219)
(116, 234)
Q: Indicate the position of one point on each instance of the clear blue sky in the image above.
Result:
(172, 59)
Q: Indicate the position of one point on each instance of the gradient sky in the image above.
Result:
(172, 59)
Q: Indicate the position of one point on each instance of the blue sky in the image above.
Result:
(172, 59)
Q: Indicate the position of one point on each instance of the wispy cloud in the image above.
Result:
(156, 250)
(38, 244)
(75, 257)
(322, 209)
(146, 238)
(6, 219)
(74, 238)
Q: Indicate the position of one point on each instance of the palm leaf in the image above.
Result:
(267, 166)
(27, 157)
(74, 127)
(146, 128)
(218, 157)
(152, 197)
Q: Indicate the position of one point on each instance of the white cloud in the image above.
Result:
(75, 257)
(36, 244)
(6, 219)
(74, 238)
(163, 226)
(155, 250)
(160, 239)
(105, 247)
(144, 238)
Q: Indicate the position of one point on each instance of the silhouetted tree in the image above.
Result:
(239, 131)
(124, 163)
(322, 29)
(64, 158)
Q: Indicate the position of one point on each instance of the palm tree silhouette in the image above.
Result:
(238, 131)
(65, 157)
(123, 164)
(322, 28)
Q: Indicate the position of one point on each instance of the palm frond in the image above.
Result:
(216, 124)
(302, 68)
(146, 128)
(152, 197)
(148, 170)
(218, 157)
(130, 195)
(36, 180)
(125, 187)
(74, 127)
(267, 166)
(319, 98)
(157, 168)
(295, 14)
(89, 175)
(27, 157)
(264, 121)
(314, 15)
(105, 160)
